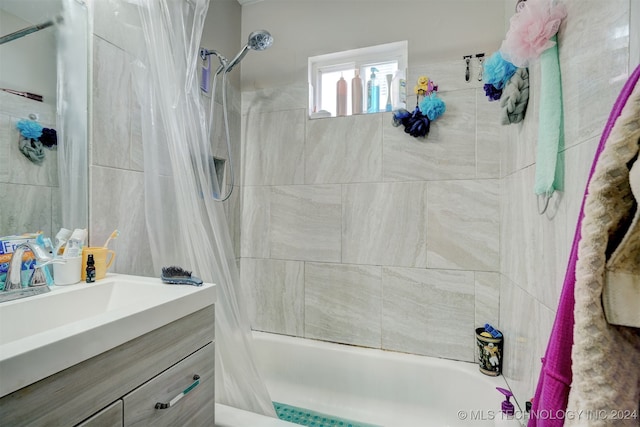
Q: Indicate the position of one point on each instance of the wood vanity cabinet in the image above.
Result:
(122, 386)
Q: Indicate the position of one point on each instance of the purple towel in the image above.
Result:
(554, 382)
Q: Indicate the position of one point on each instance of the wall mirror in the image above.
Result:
(50, 62)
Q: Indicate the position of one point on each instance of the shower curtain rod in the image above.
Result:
(26, 31)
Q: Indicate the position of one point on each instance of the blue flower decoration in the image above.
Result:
(30, 129)
(432, 106)
(498, 71)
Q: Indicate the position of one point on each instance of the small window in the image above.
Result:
(386, 62)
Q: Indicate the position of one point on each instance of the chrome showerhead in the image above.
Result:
(258, 40)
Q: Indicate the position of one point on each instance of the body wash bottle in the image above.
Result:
(356, 94)
(341, 97)
(373, 92)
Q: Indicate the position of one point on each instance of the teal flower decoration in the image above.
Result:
(30, 129)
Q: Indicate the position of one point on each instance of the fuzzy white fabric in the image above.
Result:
(605, 358)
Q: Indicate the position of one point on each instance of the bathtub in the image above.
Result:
(370, 386)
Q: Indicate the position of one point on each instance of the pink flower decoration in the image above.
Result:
(530, 31)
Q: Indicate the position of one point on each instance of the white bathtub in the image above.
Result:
(371, 386)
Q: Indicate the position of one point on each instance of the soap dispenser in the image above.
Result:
(373, 92)
(506, 417)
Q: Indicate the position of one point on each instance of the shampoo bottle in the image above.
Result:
(356, 94)
(341, 97)
(373, 92)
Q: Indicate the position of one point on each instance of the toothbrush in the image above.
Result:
(113, 235)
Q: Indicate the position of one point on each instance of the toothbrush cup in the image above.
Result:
(102, 257)
(67, 273)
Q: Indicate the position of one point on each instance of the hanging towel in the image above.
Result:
(515, 97)
(554, 382)
(550, 160)
(606, 358)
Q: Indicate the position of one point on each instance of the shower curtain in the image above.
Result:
(186, 226)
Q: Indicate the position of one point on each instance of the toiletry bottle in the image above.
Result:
(356, 94)
(373, 92)
(399, 91)
(506, 416)
(341, 97)
(91, 269)
(387, 106)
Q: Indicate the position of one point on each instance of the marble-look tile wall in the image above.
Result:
(116, 153)
(28, 192)
(355, 232)
(595, 60)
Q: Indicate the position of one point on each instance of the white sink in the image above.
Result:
(44, 334)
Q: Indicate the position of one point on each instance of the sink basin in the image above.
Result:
(44, 334)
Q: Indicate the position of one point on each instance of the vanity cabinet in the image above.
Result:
(121, 387)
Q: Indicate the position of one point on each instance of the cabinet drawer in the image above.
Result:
(195, 408)
(111, 416)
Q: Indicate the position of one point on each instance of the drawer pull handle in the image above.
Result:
(196, 382)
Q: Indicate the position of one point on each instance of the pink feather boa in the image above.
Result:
(530, 31)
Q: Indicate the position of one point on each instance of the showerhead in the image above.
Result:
(258, 40)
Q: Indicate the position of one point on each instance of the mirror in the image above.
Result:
(52, 63)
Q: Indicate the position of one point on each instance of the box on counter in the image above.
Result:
(8, 245)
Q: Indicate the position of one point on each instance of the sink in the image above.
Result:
(44, 334)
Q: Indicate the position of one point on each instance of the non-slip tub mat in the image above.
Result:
(310, 418)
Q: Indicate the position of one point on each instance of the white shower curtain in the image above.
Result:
(186, 226)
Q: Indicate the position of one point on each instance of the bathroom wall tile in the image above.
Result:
(385, 224)
(305, 223)
(519, 326)
(487, 298)
(136, 157)
(274, 148)
(448, 75)
(20, 108)
(256, 226)
(111, 106)
(277, 294)
(233, 211)
(117, 201)
(593, 43)
(448, 152)
(343, 303)
(535, 248)
(25, 209)
(463, 225)
(281, 98)
(118, 21)
(21, 170)
(5, 146)
(219, 141)
(489, 134)
(344, 149)
(428, 312)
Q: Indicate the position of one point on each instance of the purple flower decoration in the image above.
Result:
(491, 91)
(30, 129)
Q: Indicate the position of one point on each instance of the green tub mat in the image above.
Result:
(310, 418)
